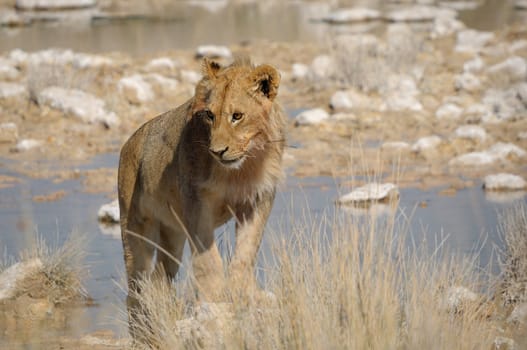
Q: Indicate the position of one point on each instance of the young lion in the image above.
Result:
(191, 169)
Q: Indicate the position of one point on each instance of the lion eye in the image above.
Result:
(209, 115)
(236, 116)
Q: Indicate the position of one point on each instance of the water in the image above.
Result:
(184, 26)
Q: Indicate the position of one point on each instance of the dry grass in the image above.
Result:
(62, 272)
(356, 286)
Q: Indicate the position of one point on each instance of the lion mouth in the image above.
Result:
(232, 163)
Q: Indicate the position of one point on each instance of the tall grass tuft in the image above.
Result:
(357, 285)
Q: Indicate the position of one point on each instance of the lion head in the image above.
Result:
(236, 102)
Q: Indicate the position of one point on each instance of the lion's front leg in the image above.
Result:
(251, 220)
(207, 264)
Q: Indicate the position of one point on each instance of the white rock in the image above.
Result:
(355, 14)
(190, 76)
(512, 69)
(8, 70)
(426, 143)
(468, 82)
(299, 71)
(78, 104)
(521, 4)
(457, 296)
(136, 89)
(401, 94)
(161, 64)
(420, 13)
(460, 5)
(10, 90)
(396, 146)
(503, 181)
(474, 65)
(13, 276)
(473, 132)
(522, 135)
(449, 111)
(213, 51)
(505, 150)
(53, 4)
(473, 159)
(504, 343)
(27, 144)
(506, 104)
(341, 101)
(519, 314)
(164, 83)
(83, 60)
(109, 212)
(370, 192)
(444, 26)
(59, 57)
(518, 45)
(311, 117)
(322, 67)
(471, 40)
(8, 132)
(11, 18)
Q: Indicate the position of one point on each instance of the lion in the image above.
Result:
(185, 172)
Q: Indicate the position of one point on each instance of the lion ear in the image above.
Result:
(210, 68)
(266, 80)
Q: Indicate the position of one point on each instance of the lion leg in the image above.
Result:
(251, 220)
(138, 256)
(173, 242)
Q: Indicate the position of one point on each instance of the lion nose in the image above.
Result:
(219, 152)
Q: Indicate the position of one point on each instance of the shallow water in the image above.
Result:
(183, 26)
(468, 217)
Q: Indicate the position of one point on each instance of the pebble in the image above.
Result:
(213, 51)
(11, 90)
(53, 4)
(402, 94)
(471, 40)
(457, 296)
(444, 26)
(449, 111)
(109, 212)
(13, 276)
(7, 70)
(161, 64)
(190, 76)
(475, 65)
(513, 69)
(322, 67)
(426, 143)
(370, 192)
(420, 13)
(299, 71)
(473, 132)
(136, 89)
(27, 144)
(80, 104)
(350, 15)
(504, 182)
(311, 117)
(468, 82)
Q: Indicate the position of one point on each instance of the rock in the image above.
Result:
(299, 71)
(351, 15)
(471, 40)
(521, 4)
(8, 132)
(164, 64)
(475, 112)
(163, 83)
(7, 70)
(504, 343)
(370, 193)
(10, 18)
(449, 111)
(109, 213)
(213, 51)
(426, 143)
(513, 69)
(522, 135)
(59, 57)
(420, 13)
(12, 90)
(518, 45)
(27, 144)
(322, 68)
(519, 314)
(311, 117)
(460, 5)
(444, 26)
(456, 297)
(340, 101)
(401, 94)
(79, 104)
(468, 82)
(136, 89)
(53, 4)
(505, 105)
(475, 65)
(396, 146)
(507, 150)
(504, 182)
(13, 276)
(190, 76)
(473, 132)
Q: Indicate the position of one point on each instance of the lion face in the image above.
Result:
(235, 102)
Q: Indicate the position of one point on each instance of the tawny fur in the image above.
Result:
(187, 171)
